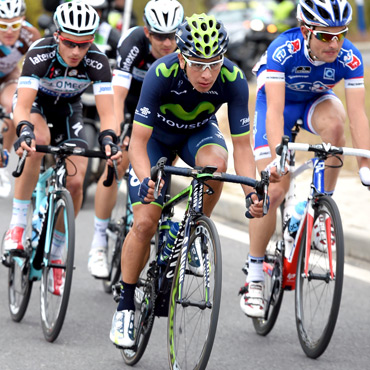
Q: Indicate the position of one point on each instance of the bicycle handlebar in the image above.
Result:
(67, 150)
(209, 173)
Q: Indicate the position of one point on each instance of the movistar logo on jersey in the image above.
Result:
(178, 111)
(231, 76)
(166, 72)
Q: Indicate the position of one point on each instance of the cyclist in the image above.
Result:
(176, 116)
(295, 80)
(136, 53)
(16, 36)
(55, 72)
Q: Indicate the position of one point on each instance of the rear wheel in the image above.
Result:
(318, 294)
(57, 272)
(195, 304)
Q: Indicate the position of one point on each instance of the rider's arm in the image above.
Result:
(137, 152)
(22, 109)
(275, 95)
(120, 95)
(359, 124)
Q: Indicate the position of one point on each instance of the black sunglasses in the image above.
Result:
(163, 36)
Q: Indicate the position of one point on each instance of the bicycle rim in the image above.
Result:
(54, 303)
(19, 284)
(273, 271)
(318, 300)
(191, 329)
(144, 312)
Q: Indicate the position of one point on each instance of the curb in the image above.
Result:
(231, 207)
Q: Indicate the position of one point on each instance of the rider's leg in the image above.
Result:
(212, 155)
(327, 118)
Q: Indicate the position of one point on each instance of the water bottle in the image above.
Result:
(168, 243)
(37, 221)
(292, 226)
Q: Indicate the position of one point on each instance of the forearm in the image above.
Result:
(360, 133)
(274, 130)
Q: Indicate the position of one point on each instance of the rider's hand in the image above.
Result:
(25, 134)
(254, 204)
(275, 171)
(109, 144)
(365, 176)
(146, 191)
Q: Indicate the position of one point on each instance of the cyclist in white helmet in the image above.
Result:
(295, 79)
(16, 36)
(137, 50)
(55, 73)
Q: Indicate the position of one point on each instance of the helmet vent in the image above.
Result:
(324, 13)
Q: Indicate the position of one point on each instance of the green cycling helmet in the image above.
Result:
(202, 36)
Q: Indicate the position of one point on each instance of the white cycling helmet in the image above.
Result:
(97, 4)
(163, 16)
(76, 18)
(324, 13)
(12, 8)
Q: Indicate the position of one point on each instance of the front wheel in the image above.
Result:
(57, 271)
(195, 301)
(318, 292)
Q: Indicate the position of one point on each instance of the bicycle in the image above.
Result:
(315, 273)
(190, 301)
(50, 217)
(3, 128)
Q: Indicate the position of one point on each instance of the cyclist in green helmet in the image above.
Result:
(175, 115)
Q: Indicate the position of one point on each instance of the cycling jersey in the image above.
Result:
(44, 70)
(287, 60)
(134, 58)
(11, 55)
(307, 82)
(169, 103)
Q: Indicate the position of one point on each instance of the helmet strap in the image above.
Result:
(307, 43)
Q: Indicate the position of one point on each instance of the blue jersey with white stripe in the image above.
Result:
(287, 60)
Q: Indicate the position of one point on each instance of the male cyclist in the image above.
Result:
(16, 36)
(295, 80)
(176, 116)
(137, 51)
(55, 73)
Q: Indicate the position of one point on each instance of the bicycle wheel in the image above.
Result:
(192, 323)
(318, 296)
(273, 271)
(57, 273)
(19, 283)
(145, 296)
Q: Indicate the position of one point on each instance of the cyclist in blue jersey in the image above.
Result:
(55, 73)
(16, 36)
(175, 115)
(137, 51)
(295, 80)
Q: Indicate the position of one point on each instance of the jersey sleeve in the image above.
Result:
(131, 51)
(351, 58)
(237, 99)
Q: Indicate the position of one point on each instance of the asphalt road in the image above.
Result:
(84, 342)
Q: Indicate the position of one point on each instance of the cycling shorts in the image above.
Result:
(65, 121)
(169, 145)
(292, 112)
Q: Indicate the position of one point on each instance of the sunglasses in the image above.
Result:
(328, 36)
(14, 26)
(163, 36)
(71, 44)
(201, 66)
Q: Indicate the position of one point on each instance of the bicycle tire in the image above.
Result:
(188, 348)
(273, 271)
(317, 301)
(19, 283)
(273, 266)
(54, 306)
(144, 311)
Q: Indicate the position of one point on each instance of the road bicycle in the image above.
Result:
(191, 301)
(314, 266)
(51, 220)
